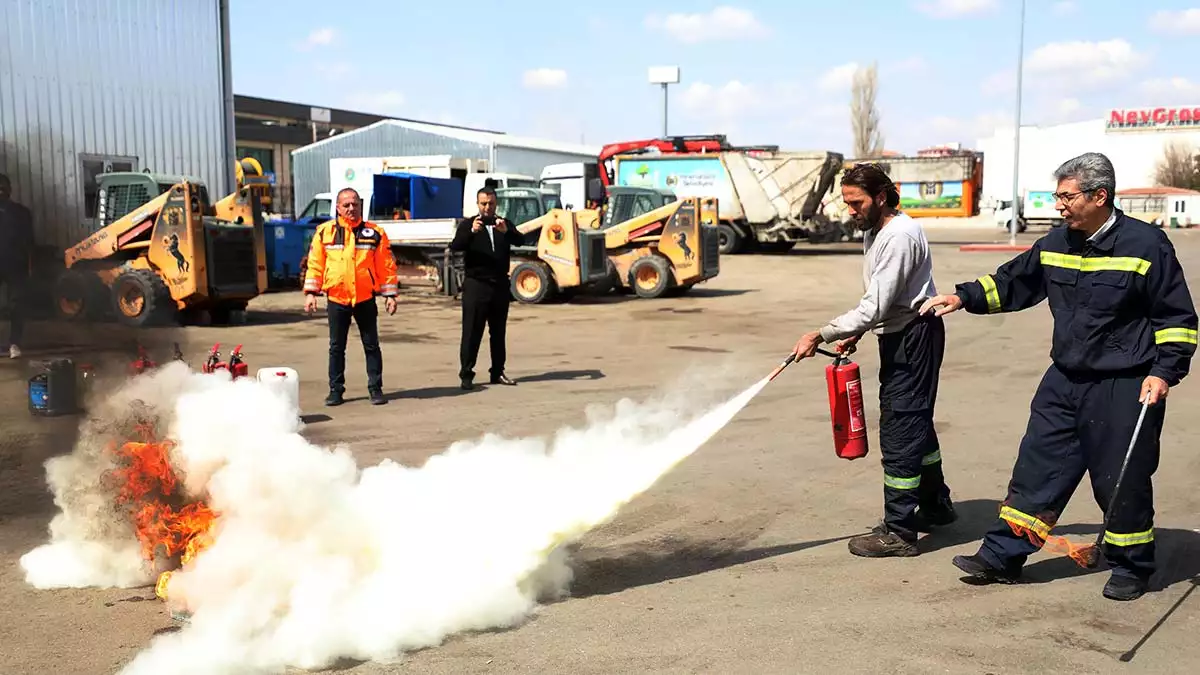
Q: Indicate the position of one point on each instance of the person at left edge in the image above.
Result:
(350, 261)
(898, 276)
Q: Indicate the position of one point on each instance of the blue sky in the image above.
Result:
(760, 72)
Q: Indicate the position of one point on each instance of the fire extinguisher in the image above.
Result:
(846, 411)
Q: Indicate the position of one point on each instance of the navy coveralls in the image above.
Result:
(1122, 311)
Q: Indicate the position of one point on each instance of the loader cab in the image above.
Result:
(626, 203)
(122, 192)
(521, 205)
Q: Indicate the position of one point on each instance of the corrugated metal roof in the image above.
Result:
(471, 136)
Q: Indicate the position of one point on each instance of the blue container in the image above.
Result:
(286, 244)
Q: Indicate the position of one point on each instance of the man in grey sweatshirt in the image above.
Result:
(898, 277)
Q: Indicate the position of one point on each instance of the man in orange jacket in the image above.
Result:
(351, 262)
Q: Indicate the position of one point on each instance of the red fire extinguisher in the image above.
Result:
(846, 411)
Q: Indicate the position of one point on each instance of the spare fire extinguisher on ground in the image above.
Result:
(846, 411)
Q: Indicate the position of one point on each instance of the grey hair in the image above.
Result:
(1093, 171)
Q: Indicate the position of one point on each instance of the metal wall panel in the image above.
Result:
(530, 161)
(310, 164)
(108, 78)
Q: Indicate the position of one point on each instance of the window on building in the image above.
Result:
(91, 166)
(265, 157)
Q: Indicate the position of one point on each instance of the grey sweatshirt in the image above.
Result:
(897, 276)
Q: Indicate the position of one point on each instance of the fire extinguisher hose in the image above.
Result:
(792, 357)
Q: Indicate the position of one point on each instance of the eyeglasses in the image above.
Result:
(1067, 197)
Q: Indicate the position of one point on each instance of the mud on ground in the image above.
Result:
(735, 562)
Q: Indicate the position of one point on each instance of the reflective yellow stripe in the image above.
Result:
(1025, 520)
(991, 293)
(932, 458)
(902, 483)
(1132, 539)
(1075, 262)
(1175, 335)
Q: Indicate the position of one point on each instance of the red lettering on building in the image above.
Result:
(1153, 117)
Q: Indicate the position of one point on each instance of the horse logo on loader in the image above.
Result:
(682, 240)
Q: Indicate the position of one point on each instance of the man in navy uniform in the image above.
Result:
(1124, 334)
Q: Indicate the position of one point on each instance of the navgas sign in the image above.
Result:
(1137, 119)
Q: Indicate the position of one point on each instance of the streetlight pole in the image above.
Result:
(665, 76)
(1016, 211)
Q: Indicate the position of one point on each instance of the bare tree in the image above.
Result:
(1179, 167)
(864, 115)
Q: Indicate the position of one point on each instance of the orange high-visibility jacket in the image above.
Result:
(350, 264)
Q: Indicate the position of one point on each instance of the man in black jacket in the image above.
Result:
(485, 241)
(16, 255)
(1125, 332)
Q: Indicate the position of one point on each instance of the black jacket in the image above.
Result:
(16, 240)
(481, 261)
(1120, 304)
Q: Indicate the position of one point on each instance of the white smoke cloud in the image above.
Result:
(315, 560)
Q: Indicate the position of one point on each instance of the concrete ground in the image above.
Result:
(736, 561)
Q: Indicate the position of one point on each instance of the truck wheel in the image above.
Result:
(532, 282)
(141, 298)
(730, 240)
(79, 296)
(650, 276)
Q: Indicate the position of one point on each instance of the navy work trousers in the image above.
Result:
(910, 363)
(1082, 423)
(366, 315)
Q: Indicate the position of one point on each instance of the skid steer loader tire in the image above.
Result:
(532, 283)
(141, 298)
(79, 296)
(650, 277)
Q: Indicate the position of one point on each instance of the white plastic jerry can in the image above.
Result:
(285, 382)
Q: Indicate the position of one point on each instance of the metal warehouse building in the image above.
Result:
(402, 138)
(110, 85)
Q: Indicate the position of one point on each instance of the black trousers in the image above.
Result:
(483, 304)
(1082, 424)
(910, 363)
(15, 286)
(366, 315)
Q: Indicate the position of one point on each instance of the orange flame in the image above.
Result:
(1080, 553)
(163, 519)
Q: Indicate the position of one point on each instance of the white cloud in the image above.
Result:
(722, 23)
(1165, 88)
(544, 78)
(389, 102)
(319, 37)
(1065, 7)
(730, 100)
(1182, 22)
(1085, 64)
(838, 78)
(946, 9)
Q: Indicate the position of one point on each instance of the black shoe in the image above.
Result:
(978, 568)
(939, 515)
(1124, 588)
(334, 398)
(503, 379)
(377, 397)
(467, 384)
(882, 544)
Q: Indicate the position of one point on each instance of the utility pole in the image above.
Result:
(665, 76)
(1016, 211)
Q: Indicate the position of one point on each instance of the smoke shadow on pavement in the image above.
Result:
(563, 376)
(612, 573)
(975, 516)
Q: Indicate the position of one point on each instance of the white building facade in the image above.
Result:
(1133, 138)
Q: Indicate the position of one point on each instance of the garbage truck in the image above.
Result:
(769, 199)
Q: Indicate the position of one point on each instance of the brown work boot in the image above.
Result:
(880, 543)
